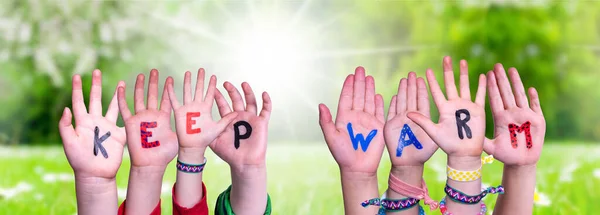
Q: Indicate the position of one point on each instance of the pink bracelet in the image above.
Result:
(405, 189)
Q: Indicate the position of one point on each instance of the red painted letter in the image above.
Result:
(145, 134)
(513, 128)
(190, 122)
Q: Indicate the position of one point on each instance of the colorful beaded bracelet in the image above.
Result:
(445, 211)
(460, 197)
(190, 168)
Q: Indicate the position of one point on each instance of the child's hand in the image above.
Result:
(461, 128)
(244, 142)
(196, 128)
(513, 110)
(95, 147)
(356, 139)
(150, 140)
(417, 149)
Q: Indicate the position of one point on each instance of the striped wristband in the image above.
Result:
(190, 168)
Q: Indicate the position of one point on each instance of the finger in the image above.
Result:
(488, 146)
(379, 108)
(392, 109)
(113, 108)
(267, 106)
(96, 94)
(507, 96)
(370, 95)
(210, 92)
(65, 127)
(250, 98)
(187, 89)
(401, 100)
(345, 102)
(325, 121)
(424, 122)
(449, 79)
(79, 108)
(411, 93)
(434, 87)
(236, 98)
(222, 104)
(494, 93)
(535, 101)
(465, 91)
(138, 94)
(172, 96)
(199, 94)
(165, 104)
(422, 98)
(224, 122)
(123, 108)
(153, 90)
(358, 98)
(480, 96)
(518, 88)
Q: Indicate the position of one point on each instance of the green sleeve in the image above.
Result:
(223, 206)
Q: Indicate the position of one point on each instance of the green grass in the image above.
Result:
(303, 179)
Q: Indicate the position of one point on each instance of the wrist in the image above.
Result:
(95, 185)
(464, 163)
(249, 171)
(412, 175)
(149, 172)
(358, 176)
(191, 155)
(521, 168)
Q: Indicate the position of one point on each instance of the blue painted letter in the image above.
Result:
(402, 142)
(359, 138)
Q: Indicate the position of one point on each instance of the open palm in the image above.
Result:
(251, 149)
(87, 158)
(150, 140)
(412, 96)
(446, 133)
(509, 108)
(361, 110)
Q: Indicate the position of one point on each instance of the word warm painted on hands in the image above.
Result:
(98, 142)
(145, 134)
(190, 122)
(359, 138)
(403, 142)
(513, 128)
(462, 123)
(238, 136)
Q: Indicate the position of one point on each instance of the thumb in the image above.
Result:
(488, 146)
(327, 125)
(65, 127)
(425, 123)
(222, 124)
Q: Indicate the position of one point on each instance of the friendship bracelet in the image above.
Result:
(445, 211)
(458, 175)
(460, 197)
(405, 189)
(190, 168)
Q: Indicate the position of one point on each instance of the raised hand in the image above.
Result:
(150, 140)
(407, 143)
(94, 148)
(356, 139)
(519, 129)
(461, 127)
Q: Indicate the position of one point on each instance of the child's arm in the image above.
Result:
(151, 144)
(196, 129)
(519, 130)
(94, 148)
(408, 145)
(243, 145)
(355, 140)
(460, 131)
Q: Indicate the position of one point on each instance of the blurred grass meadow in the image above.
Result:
(299, 51)
(303, 179)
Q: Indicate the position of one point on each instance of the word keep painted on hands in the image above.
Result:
(513, 128)
(238, 136)
(145, 134)
(359, 138)
(190, 122)
(98, 142)
(403, 142)
(462, 123)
